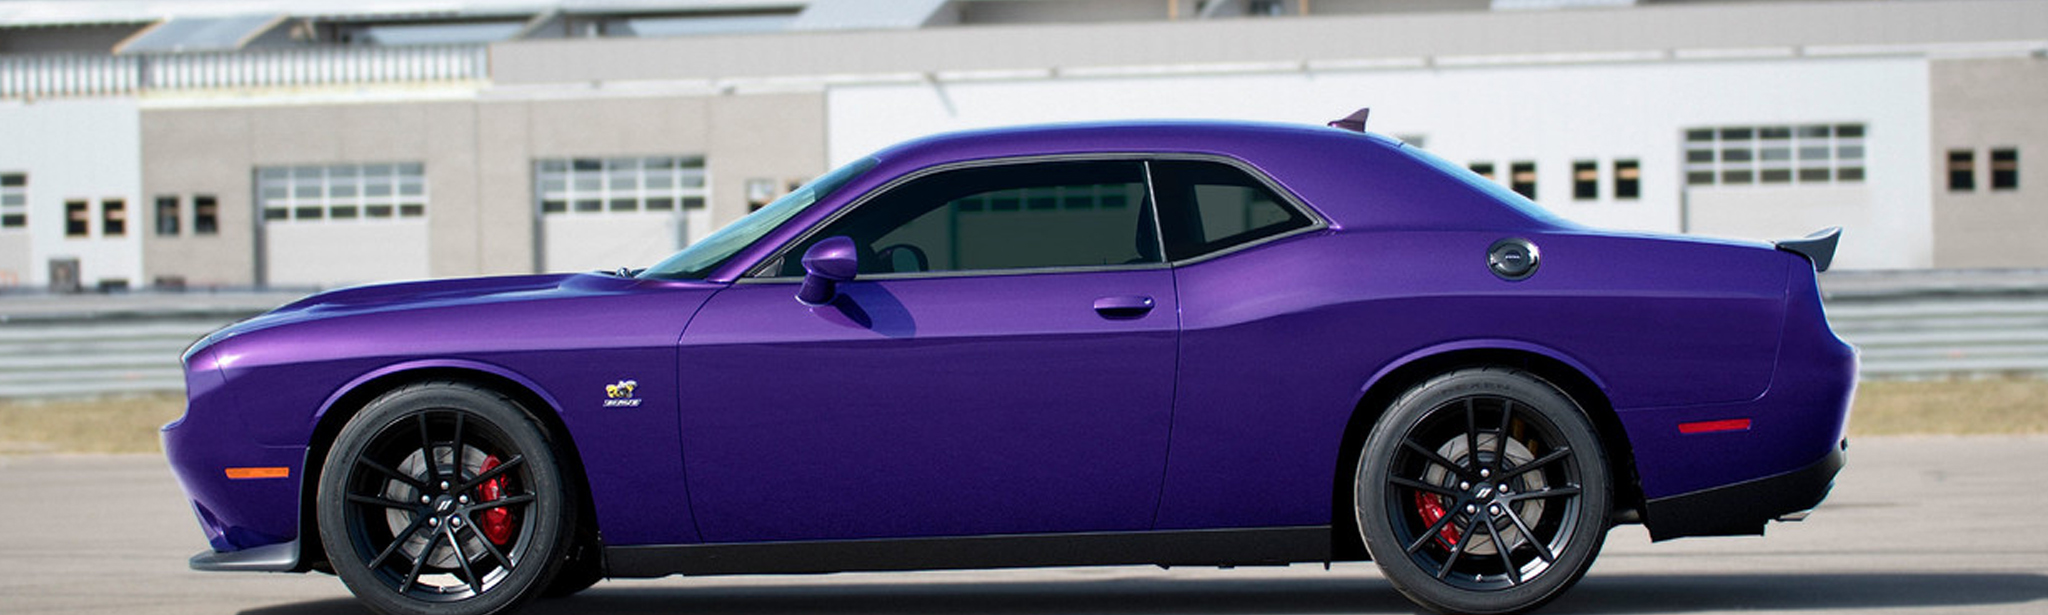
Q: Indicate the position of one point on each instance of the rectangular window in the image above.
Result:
(1585, 180)
(1962, 170)
(113, 218)
(1522, 178)
(597, 186)
(167, 215)
(77, 218)
(13, 200)
(1484, 169)
(1628, 180)
(924, 226)
(205, 215)
(1810, 154)
(339, 192)
(2005, 169)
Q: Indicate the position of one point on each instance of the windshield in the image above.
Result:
(700, 258)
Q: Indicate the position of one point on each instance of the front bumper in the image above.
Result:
(1743, 508)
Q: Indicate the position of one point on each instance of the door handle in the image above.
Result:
(1123, 306)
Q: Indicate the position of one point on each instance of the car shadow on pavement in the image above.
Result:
(1335, 594)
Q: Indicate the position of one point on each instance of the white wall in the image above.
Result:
(85, 150)
(1551, 114)
(331, 253)
(607, 241)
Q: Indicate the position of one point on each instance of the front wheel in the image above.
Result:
(1483, 491)
(444, 499)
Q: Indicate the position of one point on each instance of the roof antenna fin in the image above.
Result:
(1354, 122)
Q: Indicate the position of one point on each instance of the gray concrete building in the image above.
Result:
(324, 143)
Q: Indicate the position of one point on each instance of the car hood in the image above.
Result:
(425, 295)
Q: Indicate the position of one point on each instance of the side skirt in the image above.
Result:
(1232, 547)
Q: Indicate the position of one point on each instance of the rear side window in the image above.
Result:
(1209, 207)
(1013, 216)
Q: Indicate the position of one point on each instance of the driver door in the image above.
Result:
(1003, 364)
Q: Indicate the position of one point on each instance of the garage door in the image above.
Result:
(601, 214)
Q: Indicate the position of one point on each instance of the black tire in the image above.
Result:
(1438, 489)
(444, 498)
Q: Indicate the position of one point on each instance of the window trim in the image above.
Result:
(754, 273)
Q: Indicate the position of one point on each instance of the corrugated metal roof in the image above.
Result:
(691, 26)
(192, 34)
(443, 34)
(866, 14)
(16, 13)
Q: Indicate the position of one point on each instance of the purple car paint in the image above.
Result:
(1169, 398)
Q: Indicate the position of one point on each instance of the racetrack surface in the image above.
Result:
(1920, 525)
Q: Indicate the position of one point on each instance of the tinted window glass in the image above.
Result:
(1211, 206)
(1056, 214)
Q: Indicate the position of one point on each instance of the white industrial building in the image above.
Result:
(316, 144)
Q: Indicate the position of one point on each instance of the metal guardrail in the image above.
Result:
(1942, 324)
(85, 345)
(1908, 325)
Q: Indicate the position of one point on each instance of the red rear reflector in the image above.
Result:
(248, 473)
(1714, 426)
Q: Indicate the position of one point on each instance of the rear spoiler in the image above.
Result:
(1818, 247)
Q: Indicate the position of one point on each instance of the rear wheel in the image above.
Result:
(1483, 491)
(444, 499)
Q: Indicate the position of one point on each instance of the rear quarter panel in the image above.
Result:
(1279, 343)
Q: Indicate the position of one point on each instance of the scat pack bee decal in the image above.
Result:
(620, 394)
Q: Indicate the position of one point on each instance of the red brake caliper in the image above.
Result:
(1432, 509)
(497, 522)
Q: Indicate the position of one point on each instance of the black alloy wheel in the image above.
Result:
(1483, 491)
(446, 499)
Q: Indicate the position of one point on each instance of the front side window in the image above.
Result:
(1208, 207)
(1013, 216)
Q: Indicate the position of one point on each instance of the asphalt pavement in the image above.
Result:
(1915, 525)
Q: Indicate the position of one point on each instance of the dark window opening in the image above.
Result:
(1628, 180)
(205, 215)
(13, 200)
(1962, 170)
(167, 216)
(1522, 179)
(113, 218)
(1484, 169)
(2005, 169)
(1585, 180)
(1206, 207)
(77, 219)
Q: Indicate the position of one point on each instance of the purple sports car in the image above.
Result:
(1138, 343)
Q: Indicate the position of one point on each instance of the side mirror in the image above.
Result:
(826, 264)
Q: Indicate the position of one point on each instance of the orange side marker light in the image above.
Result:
(249, 473)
